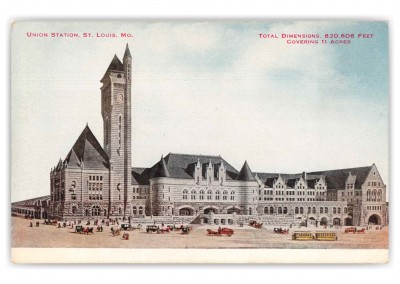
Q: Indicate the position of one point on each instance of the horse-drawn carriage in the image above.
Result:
(152, 228)
(255, 224)
(350, 230)
(138, 227)
(82, 230)
(221, 231)
(281, 231)
(115, 232)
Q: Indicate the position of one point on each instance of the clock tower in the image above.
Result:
(116, 113)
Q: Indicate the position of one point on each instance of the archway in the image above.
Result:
(233, 210)
(186, 211)
(324, 221)
(348, 222)
(336, 221)
(209, 210)
(374, 220)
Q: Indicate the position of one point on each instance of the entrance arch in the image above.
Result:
(324, 221)
(186, 211)
(374, 220)
(211, 209)
(233, 210)
(348, 221)
(336, 221)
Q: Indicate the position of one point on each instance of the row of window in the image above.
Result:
(374, 195)
(95, 178)
(374, 183)
(210, 195)
(279, 192)
(377, 207)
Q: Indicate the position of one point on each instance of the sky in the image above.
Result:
(211, 88)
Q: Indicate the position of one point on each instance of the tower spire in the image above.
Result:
(127, 52)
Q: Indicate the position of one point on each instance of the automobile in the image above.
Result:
(125, 227)
(152, 228)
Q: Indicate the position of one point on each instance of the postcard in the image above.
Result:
(199, 142)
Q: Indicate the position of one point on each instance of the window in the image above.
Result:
(209, 195)
(338, 210)
(134, 210)
(326, 210)
(296, 210)
(217, 195)
(301, 210)
(225, 195)
(271, 210)
(232, 195)
(193, 195)
(74, 210)
(284, 210)
(185, 194)
(201, 195)
(334, 210)
(95, 211)
(314, 210)
(345, 210)
(266, 210)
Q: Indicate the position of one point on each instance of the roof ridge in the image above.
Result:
(183, 154)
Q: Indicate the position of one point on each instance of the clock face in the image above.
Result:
(120, 98)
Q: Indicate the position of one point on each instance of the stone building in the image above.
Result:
(99, 182)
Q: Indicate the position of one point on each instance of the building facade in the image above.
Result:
(95, 181)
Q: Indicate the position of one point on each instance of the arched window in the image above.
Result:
(308, 210)
(193, 195)
(271, 210)
(201, 195)
(209, 195)
(217, 195)
(321, 210)
(326, 210)
(119, 210)
(134, 210)
(185, 194)
(379, 195)
(296, 210)
(374, 195)
(334, 210)
(225, 195)
(284, 210)
(74, 210)
(301, 210)
(232, 195)
(140, 210)
(95, 211)
(279, 210)
(368, 195)
(314, 210)
(87, 212)
(338, 210)
(266, 210)
(345, 210)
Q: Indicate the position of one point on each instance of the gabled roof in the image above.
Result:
(181, 166)
(336, 179)
(116, 64)
(88, 150)
(245, 173)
